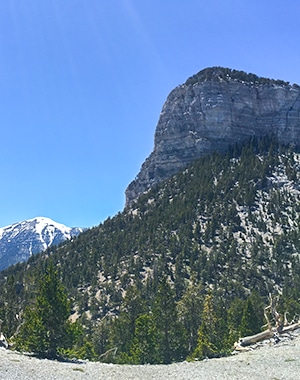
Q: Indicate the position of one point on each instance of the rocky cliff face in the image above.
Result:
(211, 111)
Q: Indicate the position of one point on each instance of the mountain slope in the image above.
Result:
(21, 240)
(226, 229)
(212, 110)
(188, 266)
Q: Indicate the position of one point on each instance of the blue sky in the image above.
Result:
(83, 83)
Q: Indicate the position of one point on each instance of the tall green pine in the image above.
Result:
(250, 323)
(46, 328)
(207, 334)
(170, 332)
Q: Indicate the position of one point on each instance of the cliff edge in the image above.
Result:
(212, 110)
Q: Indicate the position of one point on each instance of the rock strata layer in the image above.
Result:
(211, 111)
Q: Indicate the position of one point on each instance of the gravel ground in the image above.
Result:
(267, 362)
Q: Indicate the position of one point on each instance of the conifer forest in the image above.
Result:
(181, 274)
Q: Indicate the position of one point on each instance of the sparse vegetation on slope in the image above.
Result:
(178, 273)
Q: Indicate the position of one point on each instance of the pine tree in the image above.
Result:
(46, 328)
(207, 334)
(170, 332)
(189, 310)
(123, 328)
(250, 323)
(144, 349)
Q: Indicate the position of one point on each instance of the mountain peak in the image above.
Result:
(20, 240)
(211, 111)
(217, 73)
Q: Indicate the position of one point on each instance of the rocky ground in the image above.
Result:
(268, 361)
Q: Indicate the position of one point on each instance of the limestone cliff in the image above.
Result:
(211, 111)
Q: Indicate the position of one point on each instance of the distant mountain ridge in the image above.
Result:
(21, 240)
(212, 110)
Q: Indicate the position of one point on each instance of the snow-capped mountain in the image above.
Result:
(21, 240)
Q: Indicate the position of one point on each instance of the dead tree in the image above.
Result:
(281, 326)
(3, 341)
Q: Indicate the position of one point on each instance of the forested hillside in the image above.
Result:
(187, 268)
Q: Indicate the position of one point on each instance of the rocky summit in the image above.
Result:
(21, 240)
(211, 111)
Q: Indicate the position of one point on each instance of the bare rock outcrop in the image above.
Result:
(212, 110)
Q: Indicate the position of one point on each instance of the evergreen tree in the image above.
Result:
(144, 349)
(235, 313)
(250, 323)
(46, 328)
(170, 332)
(189, 311)
(123, 329)
(207, 334)
(10, 308)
